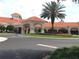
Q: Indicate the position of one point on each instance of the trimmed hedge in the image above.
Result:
(65, 53)
(63, 30)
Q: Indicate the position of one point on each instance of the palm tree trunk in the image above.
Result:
(52, 22)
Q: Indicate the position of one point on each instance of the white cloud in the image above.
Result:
(29, 8)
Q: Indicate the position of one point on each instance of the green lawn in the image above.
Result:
(53, 35)
(44, 35)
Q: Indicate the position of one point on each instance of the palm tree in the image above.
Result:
(53, 10)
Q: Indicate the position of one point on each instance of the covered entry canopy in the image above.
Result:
(33, 22)
(34, 19)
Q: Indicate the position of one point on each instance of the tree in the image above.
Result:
(53, 10)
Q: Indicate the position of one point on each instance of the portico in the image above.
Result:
(32, 25)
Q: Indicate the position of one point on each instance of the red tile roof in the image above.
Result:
(34, 18)
(62, 24)
(10, 20)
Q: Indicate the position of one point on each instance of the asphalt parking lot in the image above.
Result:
(17, 41)
(20, 46)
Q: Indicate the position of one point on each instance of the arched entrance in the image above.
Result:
(32, 21)
(18, 30)
(26, 28)
(37, 28)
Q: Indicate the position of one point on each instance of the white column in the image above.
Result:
(31, 28)
(69, 30)
(42, 29)
(78, 30)
(57, 29)
(22, 30)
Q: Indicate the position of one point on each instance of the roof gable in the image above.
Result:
(33, 18)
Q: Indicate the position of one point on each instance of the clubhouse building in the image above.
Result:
(37, 25)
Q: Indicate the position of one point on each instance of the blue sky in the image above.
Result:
(29, 8)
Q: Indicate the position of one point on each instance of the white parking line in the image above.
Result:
(3, 39)
(49, 46)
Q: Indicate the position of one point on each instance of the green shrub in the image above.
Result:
(65, 53)
(52, 30)
(63, 30)
(2, 28)
(10, 27)
(37, 30)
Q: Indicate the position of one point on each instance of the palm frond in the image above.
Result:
(61, 10)
(53, 9)
(44, 14)
(61, 16)
(60, 6)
